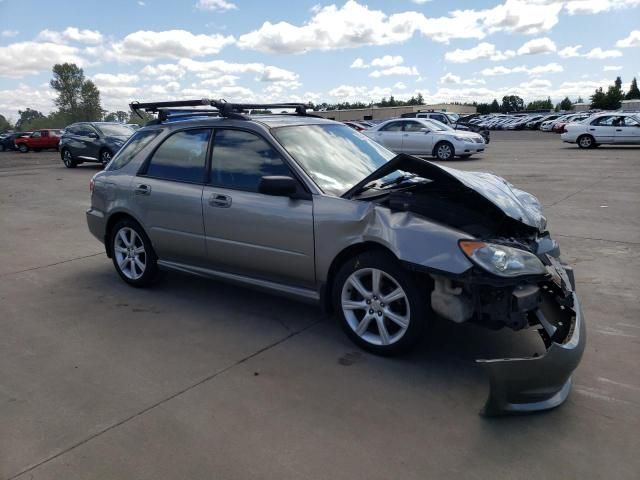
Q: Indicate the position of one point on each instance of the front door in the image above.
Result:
(417, 140)
(628, 130)
(168, 196)
(249, 233)
(603, 129)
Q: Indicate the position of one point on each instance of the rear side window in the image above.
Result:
(181, 157)
(136, 144)
(392, 127)
(240, 159)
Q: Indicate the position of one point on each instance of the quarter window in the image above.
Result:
(138, 141)
(181, 157)
(240, 159)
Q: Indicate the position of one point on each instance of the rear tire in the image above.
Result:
(444, 151)
(105, 157)
(68, 159)
(586, 141)
(132, 254)
(380, 305)
(23, 148)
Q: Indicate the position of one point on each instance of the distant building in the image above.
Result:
(582, 107)
(631, 105)
(384, 113)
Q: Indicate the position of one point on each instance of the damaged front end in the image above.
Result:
(548, 303)
(517, 279)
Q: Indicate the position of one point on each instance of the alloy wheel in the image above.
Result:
(585, 141)
(375, 306)
(130, 254)
(105, 158)
(67, 159)
(444, 152)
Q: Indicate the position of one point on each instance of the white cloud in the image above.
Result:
(536, 46)
(387, 61)
(399, 86)
(359, 63)
(22, 96)
(537, 70)
(355, 25)
(633, 40)
(451, 79)
(600, 54)
(611, 68)
(480, 51)
(30, 58)
(538, 83)
(71, 34)
(9, 33)
(421, 2)
(575, 7)
(215, 5)
(221, 81)
(275, 74)
(110, 79)
(567, 52)
(149, 45)
(397, 70)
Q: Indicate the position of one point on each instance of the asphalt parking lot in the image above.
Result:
(198, 379)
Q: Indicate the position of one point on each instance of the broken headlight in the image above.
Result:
(502, 260)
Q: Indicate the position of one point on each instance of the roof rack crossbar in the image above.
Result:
(223, 108)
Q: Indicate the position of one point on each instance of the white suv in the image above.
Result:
(608, 127)
(421, 136)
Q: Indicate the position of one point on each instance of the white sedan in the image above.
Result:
(607, 127)
(419, 136)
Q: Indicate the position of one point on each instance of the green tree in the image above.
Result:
(90, 108)
(4, 124)
(26, 117)
(566, 104)
(511, 103)
(540, 104)
(495, 106)
(77, 97)
(633, 92)
(599, 99)
(614, 95)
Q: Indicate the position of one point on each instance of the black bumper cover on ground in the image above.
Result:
(522, 385)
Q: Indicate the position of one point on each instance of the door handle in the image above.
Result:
(220, 200)
(618, 129)
(405, 135)
(143, 189)
(592, 129)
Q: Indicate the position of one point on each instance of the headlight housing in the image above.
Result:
(501, 260)
(460, 139)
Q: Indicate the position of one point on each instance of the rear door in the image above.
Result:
(603, 129)
(628, 131)
(249, 233)
(415, 140)
(167, 195)
(80, 142)
(390, 135)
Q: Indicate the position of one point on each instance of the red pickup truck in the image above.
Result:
(39, 140)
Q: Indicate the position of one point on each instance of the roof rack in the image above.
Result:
(222, 108)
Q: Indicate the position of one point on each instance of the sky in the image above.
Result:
(333, 51)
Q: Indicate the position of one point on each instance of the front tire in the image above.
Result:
(132, 254)
(379, 304)
(586, 141)
(444, 151)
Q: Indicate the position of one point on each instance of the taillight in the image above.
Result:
(92, 185)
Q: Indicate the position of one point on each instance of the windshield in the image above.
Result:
(335, 156)
(114, 130)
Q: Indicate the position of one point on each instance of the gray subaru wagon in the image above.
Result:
(312, 209)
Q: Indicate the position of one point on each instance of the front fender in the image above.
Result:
(340, 223)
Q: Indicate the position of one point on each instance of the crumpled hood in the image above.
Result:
(513, 202)
(516, 203)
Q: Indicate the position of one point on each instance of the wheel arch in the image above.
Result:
(440, 142)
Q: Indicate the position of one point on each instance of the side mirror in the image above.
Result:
(425, 130)
(92, 135)
(278, 186)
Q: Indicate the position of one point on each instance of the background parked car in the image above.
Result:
(420, 136)
(92, 142)
(8, 142)
(604, 128)
(39, 140)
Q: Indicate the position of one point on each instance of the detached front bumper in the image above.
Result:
(521, 385)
